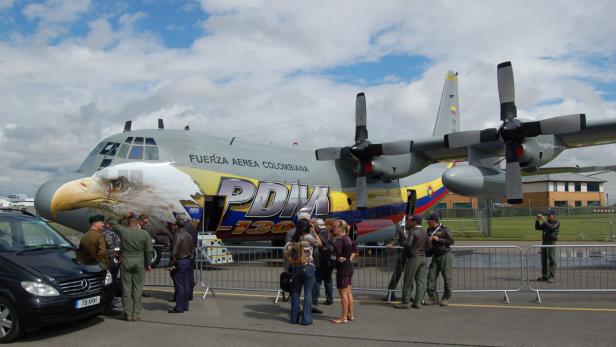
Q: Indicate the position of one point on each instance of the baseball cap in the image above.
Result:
(433, 216)
(416, 218)
(303, 213)
(320, 223)
(96, 218)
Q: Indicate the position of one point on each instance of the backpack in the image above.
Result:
(296, 255)
(286, 284)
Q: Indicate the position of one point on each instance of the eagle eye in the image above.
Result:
(118, 185)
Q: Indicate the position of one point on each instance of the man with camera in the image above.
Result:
(550, 229)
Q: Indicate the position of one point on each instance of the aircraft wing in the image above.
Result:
(596, 132)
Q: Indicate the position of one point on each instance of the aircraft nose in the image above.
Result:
(45, 194)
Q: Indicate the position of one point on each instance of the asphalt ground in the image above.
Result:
(253, 319)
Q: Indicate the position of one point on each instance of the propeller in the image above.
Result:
(513, 132)
(363, 151)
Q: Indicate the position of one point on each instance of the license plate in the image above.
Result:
(87, 302)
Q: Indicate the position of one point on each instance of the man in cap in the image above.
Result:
(324, 262)
(399, 240)
(415, 247)
(549, 236)
(92, 247)
(137, 253)
(442, 260)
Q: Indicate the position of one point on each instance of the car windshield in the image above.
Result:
(18, 234)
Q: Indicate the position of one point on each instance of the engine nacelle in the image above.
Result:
(389, 167)
(469, 180)
(539, 151)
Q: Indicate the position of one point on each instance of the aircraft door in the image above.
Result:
(213, 208)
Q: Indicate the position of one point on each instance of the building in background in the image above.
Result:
(609, 187)
(553, 190)
(562, 190)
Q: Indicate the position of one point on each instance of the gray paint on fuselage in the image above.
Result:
(177, 145)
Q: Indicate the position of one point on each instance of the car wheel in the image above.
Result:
(10, 328)
(156, 256)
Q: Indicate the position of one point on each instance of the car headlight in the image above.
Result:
(39, 288)
(108, 278)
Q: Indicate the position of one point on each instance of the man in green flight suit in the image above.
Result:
(442, 260)
(136, 252)
(417, 243)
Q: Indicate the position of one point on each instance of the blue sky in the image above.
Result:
(72, 71)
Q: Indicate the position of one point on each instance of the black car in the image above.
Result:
(41, 282)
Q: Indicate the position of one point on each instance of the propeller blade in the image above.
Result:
(361, 193)
(513, 175)
(328, 153)
(506, 90)
(361, 132)
(513, 181)
(391, 148)
(471, 137)
(563, 124)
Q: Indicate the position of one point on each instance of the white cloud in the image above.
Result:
(256, 73)
(56, 11)
(5, 4)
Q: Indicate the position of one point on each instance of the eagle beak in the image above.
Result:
(84, 192)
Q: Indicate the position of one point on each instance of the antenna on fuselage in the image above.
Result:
(187, 127)
(160, 124)
(127, 125)
(233, 139)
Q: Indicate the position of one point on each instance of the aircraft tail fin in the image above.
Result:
(448, 117)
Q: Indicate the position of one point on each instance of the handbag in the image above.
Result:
(286, 284)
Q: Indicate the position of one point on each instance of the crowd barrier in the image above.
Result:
(579, 268)
(476, 269)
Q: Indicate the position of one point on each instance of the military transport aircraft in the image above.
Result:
(248, 190)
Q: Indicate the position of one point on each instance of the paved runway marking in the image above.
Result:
(540, 308)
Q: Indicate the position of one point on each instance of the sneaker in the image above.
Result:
(541, 279)
(415, 306)
(430, 301)
(402, 306)
(444, 302)
(328, 302)
(550, 280)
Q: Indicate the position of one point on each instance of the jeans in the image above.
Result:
(303, 276)
(323, 275)
(182, 284)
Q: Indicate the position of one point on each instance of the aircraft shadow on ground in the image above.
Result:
(61, 329)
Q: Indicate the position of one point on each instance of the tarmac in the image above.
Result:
(253, 319)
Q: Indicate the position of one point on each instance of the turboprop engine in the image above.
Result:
(473, 180)
(470, 180)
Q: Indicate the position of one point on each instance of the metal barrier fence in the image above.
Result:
(579, 268)
(476, 269)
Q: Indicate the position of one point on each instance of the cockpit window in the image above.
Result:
(123, 151)
(151, 153)
(110, 148)
(105, 162)
(138, 141)
(150, 141)
(129, 140)
(136, 152)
